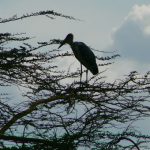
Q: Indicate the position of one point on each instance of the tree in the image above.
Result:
(59, 115)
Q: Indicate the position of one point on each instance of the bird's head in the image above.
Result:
(68, 40)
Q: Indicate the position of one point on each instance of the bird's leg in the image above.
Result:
(86, 76)
(81, 74)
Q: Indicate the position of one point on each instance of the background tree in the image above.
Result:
(57, 114)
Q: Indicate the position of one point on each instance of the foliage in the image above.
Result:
(58, 114)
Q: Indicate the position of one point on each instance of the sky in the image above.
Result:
(106, 25)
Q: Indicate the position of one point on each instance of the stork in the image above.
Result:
(83, 53)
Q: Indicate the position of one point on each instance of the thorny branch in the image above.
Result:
(58, 109)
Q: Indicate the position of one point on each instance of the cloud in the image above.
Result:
(132, 37)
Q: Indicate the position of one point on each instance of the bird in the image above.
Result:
(83, 54)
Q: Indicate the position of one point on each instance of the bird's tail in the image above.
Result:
(94, 70)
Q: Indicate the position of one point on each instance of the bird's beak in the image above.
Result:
(62, 43)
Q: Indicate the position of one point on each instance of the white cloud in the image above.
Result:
(132, 40)
(140, 12)
(132, 37)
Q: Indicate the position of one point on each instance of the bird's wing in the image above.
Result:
(85, 53)
(85, 56)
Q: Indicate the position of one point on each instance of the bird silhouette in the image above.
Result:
(83, 53)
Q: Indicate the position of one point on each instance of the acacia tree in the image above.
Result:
(59, 115)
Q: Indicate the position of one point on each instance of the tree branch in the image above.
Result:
(31, 108)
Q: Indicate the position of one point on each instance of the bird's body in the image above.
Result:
(85, 56)
(83, 53)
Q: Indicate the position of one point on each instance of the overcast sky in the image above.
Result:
(107, 25)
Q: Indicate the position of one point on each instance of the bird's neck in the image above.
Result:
(70, 43)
